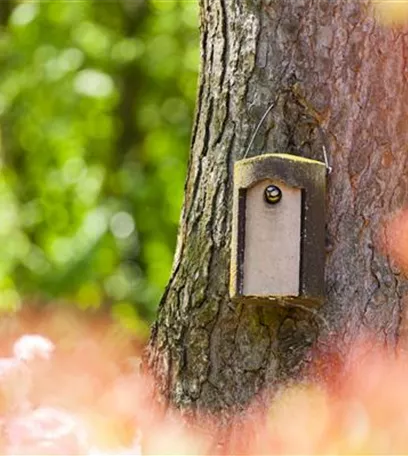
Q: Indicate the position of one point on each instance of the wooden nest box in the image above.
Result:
(278, 230)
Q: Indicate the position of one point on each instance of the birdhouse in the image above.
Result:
(278, 230)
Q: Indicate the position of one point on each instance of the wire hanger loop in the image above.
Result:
(329, 168)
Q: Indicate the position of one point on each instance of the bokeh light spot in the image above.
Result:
(122, 225)
(24, 13)
(93, 83)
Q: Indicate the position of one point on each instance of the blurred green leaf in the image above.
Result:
(96, 104)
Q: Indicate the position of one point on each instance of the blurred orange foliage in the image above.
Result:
(87, 396)
(395, 240)
(391, 12)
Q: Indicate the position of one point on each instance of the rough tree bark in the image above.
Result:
(326, 63)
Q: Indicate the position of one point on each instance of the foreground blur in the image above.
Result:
(76, 389)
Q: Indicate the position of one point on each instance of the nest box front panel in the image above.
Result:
(272, 239)
(278, 229)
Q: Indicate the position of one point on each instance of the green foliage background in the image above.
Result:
(96, 101)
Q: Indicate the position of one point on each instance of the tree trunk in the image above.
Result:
(330, 68)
